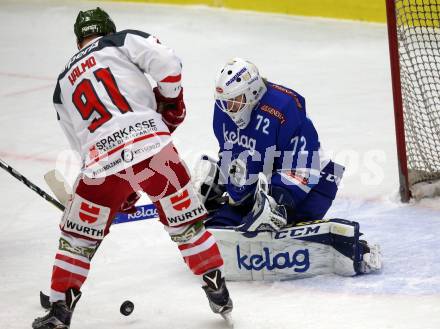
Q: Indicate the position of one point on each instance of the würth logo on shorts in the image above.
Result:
(88, 213)
(181, 201)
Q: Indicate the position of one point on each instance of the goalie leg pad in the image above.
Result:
(308, 249)
(343, 236)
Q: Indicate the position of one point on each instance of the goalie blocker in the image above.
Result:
(304, 250)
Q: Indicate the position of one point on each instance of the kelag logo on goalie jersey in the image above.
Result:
(299, 261)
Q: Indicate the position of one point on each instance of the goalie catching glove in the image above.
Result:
(172, 109)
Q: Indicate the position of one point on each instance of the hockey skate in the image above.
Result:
(371, 259)
(60, 313)
(218, 294)
(266, 215)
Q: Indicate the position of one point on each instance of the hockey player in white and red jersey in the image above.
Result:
(122, 127)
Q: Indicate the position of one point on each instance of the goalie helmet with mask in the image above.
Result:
(93, 22)
(239, 87)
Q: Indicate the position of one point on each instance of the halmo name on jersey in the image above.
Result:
(81, 68)
(298, 261)
(187, 216)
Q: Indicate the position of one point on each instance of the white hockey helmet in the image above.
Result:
(238, 88)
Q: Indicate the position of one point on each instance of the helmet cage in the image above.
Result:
(239, 77)
(233, 105)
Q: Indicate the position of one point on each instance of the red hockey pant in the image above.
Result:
(101, 199)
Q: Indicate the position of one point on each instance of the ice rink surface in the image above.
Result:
(342, 69)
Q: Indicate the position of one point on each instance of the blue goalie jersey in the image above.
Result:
(279, 141)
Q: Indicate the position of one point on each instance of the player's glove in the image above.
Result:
(172, 109)
(129, 206)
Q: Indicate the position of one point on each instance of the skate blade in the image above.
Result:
(228, 319)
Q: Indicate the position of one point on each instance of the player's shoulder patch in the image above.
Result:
(297, 98)
(289, 104)
(273, 112)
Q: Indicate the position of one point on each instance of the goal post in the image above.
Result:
(414, 44)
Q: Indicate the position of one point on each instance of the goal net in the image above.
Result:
(414, 36)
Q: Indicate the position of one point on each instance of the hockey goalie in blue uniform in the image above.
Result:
(272, 185)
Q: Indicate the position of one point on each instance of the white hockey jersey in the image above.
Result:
(105, 103)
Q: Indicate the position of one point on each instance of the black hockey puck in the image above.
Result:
(127, 308)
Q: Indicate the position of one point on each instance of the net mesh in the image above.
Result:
(418, 33)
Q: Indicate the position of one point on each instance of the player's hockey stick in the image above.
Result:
(31, 185)
(62, 191)
(44, 299)
(58, 187)
(143, 212)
